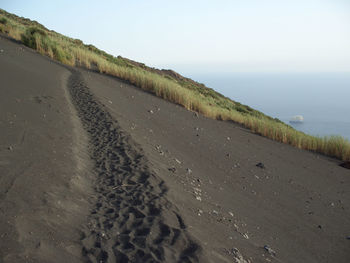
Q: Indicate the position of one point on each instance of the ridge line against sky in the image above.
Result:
(207, 36)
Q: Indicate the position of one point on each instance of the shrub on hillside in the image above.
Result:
(3, 21)
(3, 25)
(29, 38)
(78, 42)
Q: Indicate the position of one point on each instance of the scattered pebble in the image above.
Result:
(197, 191)
(228, 138)
(269, 250)
(189, 171)
(10, 148)
(172, 169)
(110, 102)
(231, 214)
(237, 256)
(176, 160)
(196, 114)
(215, 212)
(260, 165)
(245, 235)
(150, 111)
(238, 165)
(158, 147)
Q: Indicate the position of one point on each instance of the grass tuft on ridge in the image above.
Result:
(166, 84)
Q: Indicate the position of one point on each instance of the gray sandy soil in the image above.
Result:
(296, 206)
(96, 170)
(44, 183)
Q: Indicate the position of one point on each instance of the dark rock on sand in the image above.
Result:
(345, 165)
(260, 165)
(269, 250)
(172, 169)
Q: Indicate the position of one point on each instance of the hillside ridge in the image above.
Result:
(166, 84)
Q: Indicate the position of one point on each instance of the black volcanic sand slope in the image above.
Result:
(72, 180)
(132, 220)
(44, 179)
(236, 191)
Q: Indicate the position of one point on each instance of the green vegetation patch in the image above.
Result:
(30, 37)
(3, 21)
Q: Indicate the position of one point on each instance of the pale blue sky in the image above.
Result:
(202, 36)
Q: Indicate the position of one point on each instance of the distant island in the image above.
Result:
(297, 119)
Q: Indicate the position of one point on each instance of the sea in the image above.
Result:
(323, 99)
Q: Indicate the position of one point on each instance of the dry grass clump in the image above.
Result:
(166, 84)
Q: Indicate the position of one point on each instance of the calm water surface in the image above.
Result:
(323, 99)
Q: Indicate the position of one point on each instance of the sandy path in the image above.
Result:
(132, 220)
(73, 184)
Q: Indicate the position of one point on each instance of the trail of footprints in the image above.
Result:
(132, 220)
